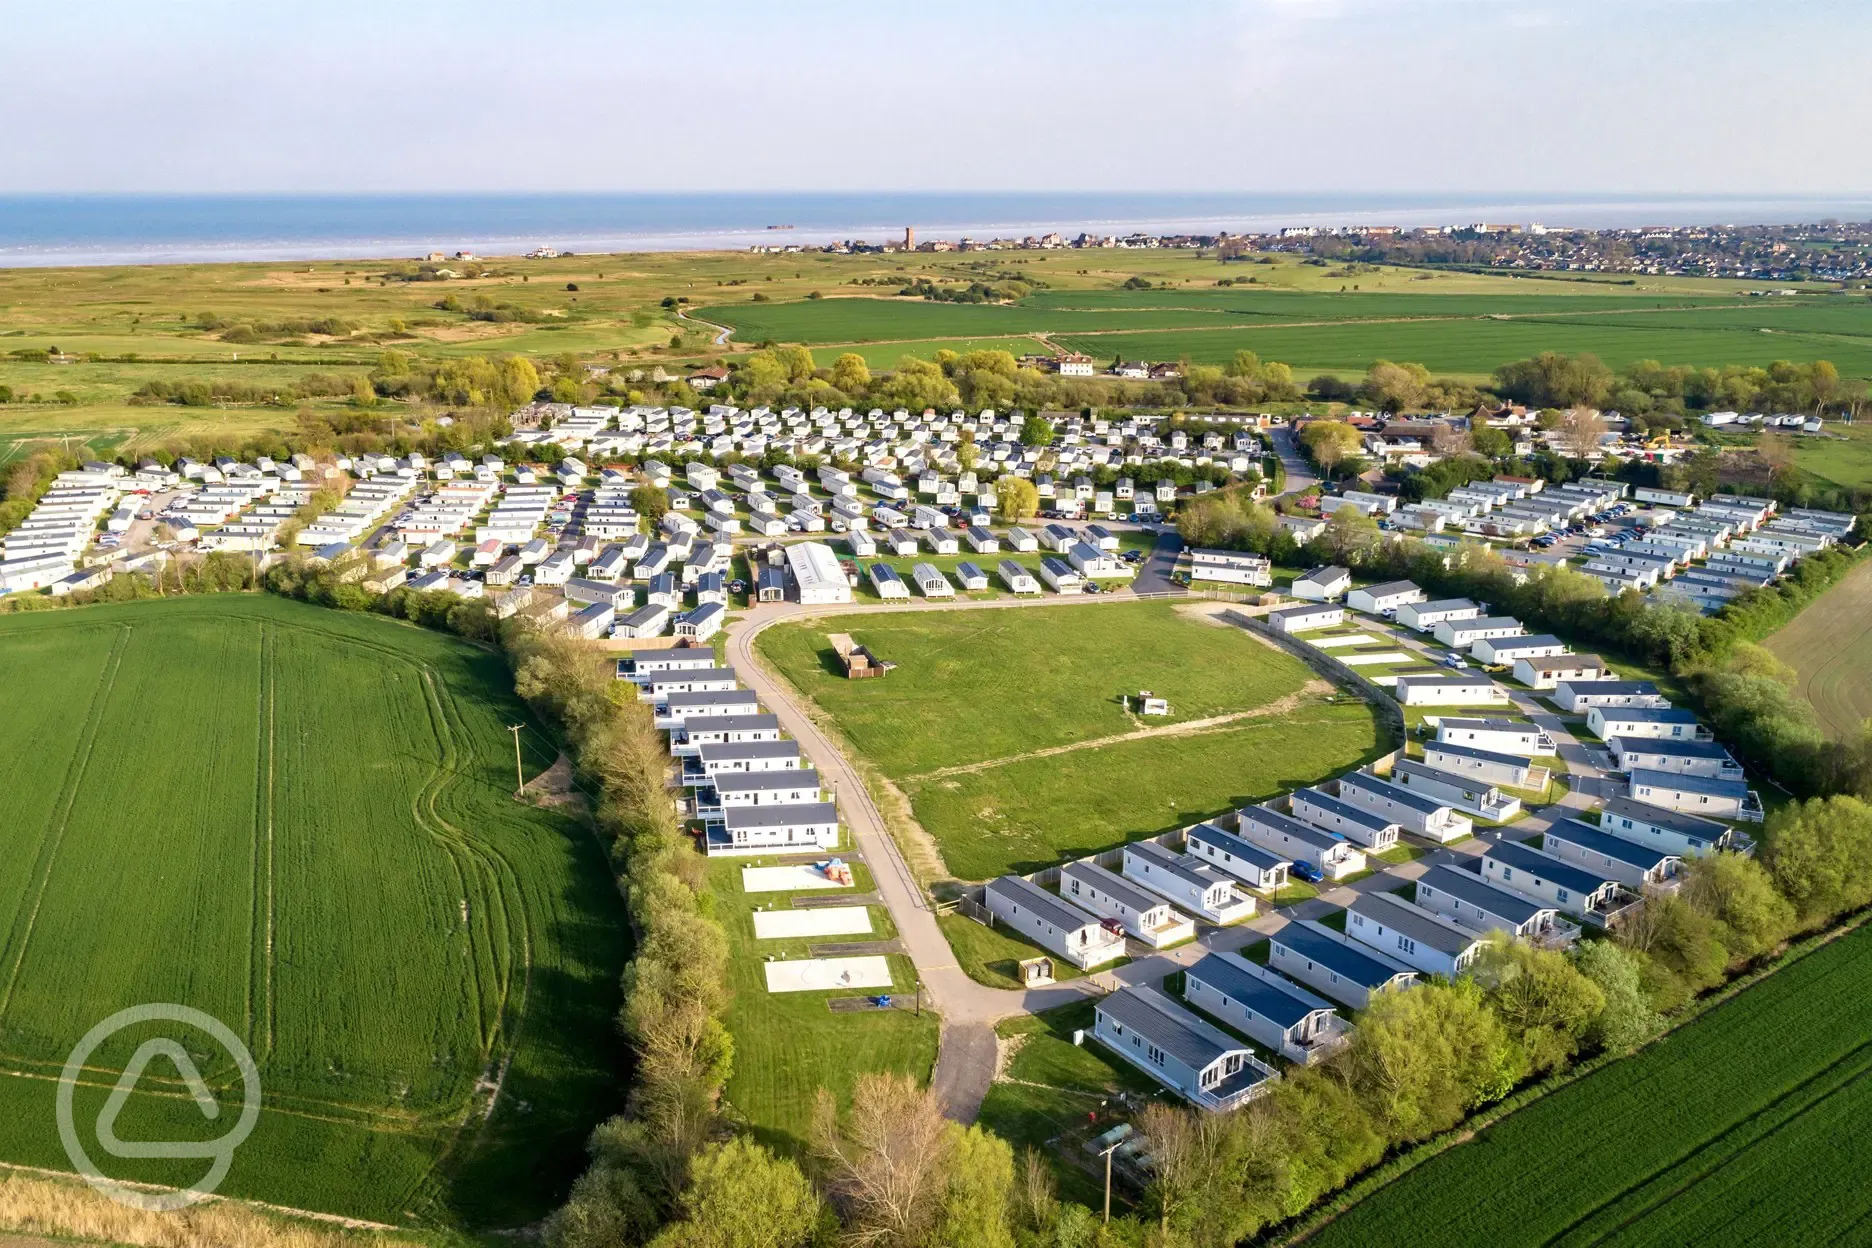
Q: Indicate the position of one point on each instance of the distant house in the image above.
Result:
(1179, 1050)
(705, 379)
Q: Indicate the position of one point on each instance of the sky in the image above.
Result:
(1676, 96)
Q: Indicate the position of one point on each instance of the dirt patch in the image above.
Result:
(1005, 1049)
(554, 787)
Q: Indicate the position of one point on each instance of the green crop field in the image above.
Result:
(990, 720)
(1830, 645)
(1745, 1127)
(301, 822)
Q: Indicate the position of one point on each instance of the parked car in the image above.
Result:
(1306, 871)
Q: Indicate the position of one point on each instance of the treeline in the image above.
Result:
(1746, 696)
(238, 331)
(1659, 395)
(26, 483)
(195, 392)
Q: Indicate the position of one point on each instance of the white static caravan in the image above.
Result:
(1187, 882)
(1386, 598)
(1326, 584)
(1440, 690)
(1248, 862)
(1052, 923)
(1485, 766)
(1179, 1050)
(1018, 579)
(1499, 736)
(1424, 616)
(1504, 651)
(887, 583)
(1415, 812)
(1335, 855)
(1571, 669)
(1232, 567)
(1673, 831)
(1269, 1008)
(1463, 634)
(1414, 936)
(1580, 698)
(1146, 917)
(1292, 620)
(1344, 969)
(767, 829)
(1323, 810)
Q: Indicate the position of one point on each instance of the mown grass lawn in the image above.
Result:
(1029, 814)
(788, 1045)
(992, 955)
(978, 685)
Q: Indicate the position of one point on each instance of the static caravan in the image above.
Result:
(1051, 923)
(1591, 895)
(1415, 812)
(1463, 634)
(1498, 651)
(1630, 863)
(1549, 673)
(1326, 584)
(930, 581)
(1386, 598)
(1321, 809)
(1060, 576)
(1580, 698)
(646, 621)
(1472, 797)
(1710, 796)
(793, 787)
(1304, 619)
(703, 622)
(1187, 882)
(1269, 1008)
(1500, 736)
(1421, 940)
(1674, 831)
(1146, 916)
(1343, 969)
(1485, 766)
(1173, 1046)
(1679, 756)
(770, 829)
(1334, 855)
(1440, 690)
(1231, 566)
(1246, 861)
(887, 583)
(1018, 579)
(1424, 616)
(1468, 899)
(970, 576)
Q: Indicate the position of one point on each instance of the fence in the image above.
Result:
(1330, 668)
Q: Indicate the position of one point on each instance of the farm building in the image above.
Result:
(1326, 584)
(1145, 916)
(1239, 857)
(1303, 619)
(1186, 882)
(1266, 1007)
(1500, 651)
(1463, 634)
(1414, 812)
(1673, 831)
(1472, 797)
(1630, 863)
(1322, 810)
(1548, 673)
(1179, 1050)
(1606, 722)
(1414, 936)
(1052, 923)
(1388, 597)
(819, 579)
(1343, 969)
(1439, 690)
(1336, 856)
(764, 829)
(1424, 616)
(1231, 566)
(1500, 736)
(1710, 796)
(1018, 579)
(1593, 896)
(1485, 766)
(1466, 898)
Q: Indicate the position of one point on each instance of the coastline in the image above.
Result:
(43, 231)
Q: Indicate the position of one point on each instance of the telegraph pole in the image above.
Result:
(519, 775)
(1107, 1155)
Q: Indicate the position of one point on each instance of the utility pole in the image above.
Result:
(1107, 1156)
(519, 775)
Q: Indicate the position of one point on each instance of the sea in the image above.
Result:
(49, 229)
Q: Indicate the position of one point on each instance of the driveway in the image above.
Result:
(1300, 476)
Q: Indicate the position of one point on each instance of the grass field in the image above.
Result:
(301, 822)
(1845, 460)
(1744, 1127)
(987, 720)
(789, 1045)
(1830, 644)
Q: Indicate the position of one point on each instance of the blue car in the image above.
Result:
(1307, 871)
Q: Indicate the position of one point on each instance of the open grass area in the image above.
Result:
(948, 703)
(1025, 815)
(1842, 457)
(1740, 1128)
(1052, 1088)
(301, 822)
(788, 1045)
(987, 721)
(1830, 644)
